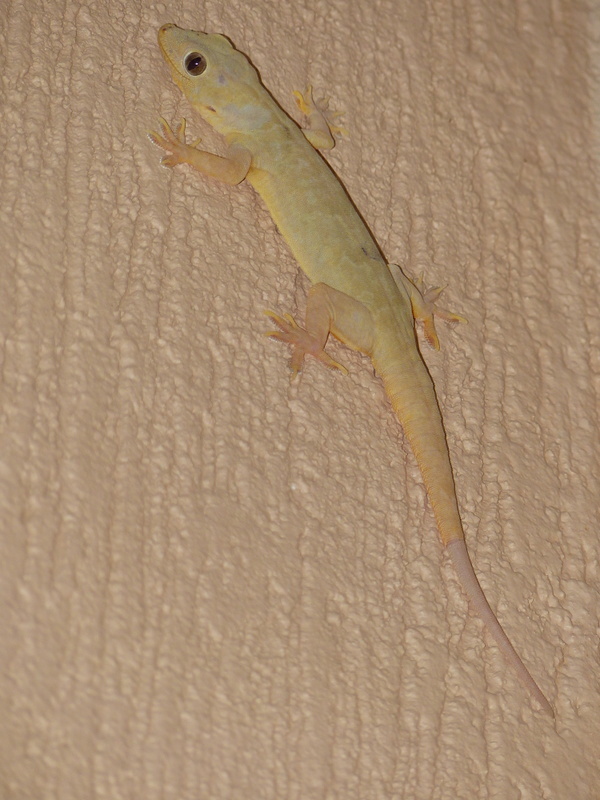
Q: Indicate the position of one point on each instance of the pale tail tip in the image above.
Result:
(466, 574)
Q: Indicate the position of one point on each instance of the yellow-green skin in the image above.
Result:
(355, 296)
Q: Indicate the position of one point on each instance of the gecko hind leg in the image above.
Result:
(327, 311)
(424, 306)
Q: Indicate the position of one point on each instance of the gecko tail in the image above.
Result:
(468, 579)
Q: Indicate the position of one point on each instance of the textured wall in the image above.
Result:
(215, 585)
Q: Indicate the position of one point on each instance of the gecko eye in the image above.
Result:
(195, 64)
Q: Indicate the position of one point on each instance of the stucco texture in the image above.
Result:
(217, 585)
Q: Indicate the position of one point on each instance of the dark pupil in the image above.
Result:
(195, 64)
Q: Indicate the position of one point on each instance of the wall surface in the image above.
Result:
(217, 585)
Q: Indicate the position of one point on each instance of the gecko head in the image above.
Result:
(216, 78)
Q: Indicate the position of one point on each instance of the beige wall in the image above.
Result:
(217, 586)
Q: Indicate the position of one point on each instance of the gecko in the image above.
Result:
(356, 295)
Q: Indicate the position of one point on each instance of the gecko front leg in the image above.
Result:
(322, 122)
(231, 168)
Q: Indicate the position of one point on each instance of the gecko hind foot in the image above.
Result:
(428, 310)
(424, 306)
(302, 342)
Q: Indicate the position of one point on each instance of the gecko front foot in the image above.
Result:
(173, 141)
(311, 108)
(323, 124)
(302, 342)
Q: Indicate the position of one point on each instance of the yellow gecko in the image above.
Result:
(354, 294)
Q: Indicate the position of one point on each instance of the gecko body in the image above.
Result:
(354, 296)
